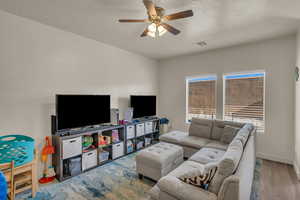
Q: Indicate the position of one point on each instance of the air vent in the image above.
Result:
(202, 43)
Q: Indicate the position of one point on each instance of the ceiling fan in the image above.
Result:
(157, 19)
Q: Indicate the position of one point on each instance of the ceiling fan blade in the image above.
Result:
(150, 7)
(180, 15)
(170, 28)
(144, 33)
(133, 20)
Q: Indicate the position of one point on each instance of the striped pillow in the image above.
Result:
(201, 180)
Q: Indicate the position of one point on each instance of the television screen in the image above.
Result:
(73, 111)
(143, 106)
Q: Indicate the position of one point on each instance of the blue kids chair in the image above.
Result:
(3, 187)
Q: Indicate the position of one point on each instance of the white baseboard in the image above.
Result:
(274, 158)
(297, 170)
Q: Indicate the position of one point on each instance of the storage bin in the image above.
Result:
(148, 141)
(115, 136)
(118, 150)
(130, 131)
(140, 145)
(89, 160)
(140, 129)
(130, 146)
(19, 148)
(71, 147)
(103, 156)
(75, 166)
(148, 127)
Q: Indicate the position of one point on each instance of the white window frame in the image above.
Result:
(187, 92)
(245, 73)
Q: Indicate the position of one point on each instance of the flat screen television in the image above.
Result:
(74, 111)
(143, 106)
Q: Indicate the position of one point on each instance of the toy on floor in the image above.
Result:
(51, 172)
(48, 175)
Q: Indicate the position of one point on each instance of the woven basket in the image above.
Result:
(19, 148)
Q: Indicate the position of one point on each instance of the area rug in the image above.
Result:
(114, 181)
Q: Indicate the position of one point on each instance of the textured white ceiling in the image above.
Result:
(218, 22)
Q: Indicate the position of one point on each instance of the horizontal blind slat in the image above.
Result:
(244, 100)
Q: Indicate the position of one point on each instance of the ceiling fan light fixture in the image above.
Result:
(152, 27)
(161, 30)
(154, 30)
(158, 19)
(151, 34)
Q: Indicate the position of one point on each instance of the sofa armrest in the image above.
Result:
(175, 187)
(229, 189)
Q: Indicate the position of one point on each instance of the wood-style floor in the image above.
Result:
(279, 182)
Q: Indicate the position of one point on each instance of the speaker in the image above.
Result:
(128, 115)
(114, 116)
(53, 124)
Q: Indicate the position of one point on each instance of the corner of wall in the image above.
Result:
(297, 169)
(297, 115)
(273, 158)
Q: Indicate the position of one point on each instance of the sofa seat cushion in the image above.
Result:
(174, 137)
(214, 144)
(201, 128)
(208, 155)
(194, 141)
(186, 167)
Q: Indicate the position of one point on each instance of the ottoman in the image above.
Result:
(158, 160)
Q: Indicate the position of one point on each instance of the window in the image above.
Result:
(244, 98)
(201, 97)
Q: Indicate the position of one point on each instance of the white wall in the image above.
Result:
(276, 56)
(297, 114)
(38, 61)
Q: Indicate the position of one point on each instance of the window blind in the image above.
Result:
(244, 98)
(201, 97)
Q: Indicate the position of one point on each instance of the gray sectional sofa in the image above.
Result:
(209, 142)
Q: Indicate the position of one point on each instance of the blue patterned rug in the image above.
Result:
(114, 181)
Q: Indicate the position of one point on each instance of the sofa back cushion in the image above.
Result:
(249, 127)
(243, 133)
(201, 128)
(218, 127)
(229, 132)
(227, 165)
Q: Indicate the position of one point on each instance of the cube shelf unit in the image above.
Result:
(141, 134)
(73, 156)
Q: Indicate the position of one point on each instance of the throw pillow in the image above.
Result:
(229, 132)
(200, 178)
(201, 128)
